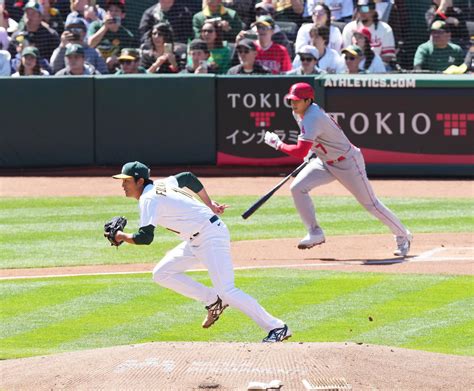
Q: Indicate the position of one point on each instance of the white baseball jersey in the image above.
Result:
(329, 141)
(164, 203)
(382, 42)
(330, 61)
(304, 38)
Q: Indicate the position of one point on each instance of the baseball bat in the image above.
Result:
(254, 207)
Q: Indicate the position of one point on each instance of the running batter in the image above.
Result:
(205, 239)
(337, 159)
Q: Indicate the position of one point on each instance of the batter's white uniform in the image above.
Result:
(206, 240)
(337, 159)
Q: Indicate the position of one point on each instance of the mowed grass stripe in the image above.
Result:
(317, 306)
(346, 316)
(406, 331)
(456, 339)
(76, 301)
(68, 231)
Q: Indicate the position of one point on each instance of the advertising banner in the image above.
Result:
(246, 108)
(407, 126)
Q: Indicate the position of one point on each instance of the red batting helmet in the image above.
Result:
(300, 91)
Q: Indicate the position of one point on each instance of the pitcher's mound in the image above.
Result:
(234, 366)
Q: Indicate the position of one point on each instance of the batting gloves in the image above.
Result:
(273, 140)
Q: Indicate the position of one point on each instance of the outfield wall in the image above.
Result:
(405, 124)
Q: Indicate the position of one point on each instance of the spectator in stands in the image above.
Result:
(38, 34)
(341, 10)
(279, 36)
(270, 54)
(469, 60)
(438, 53)
(308, 58)
(75, 33)
(212, 34)
(76, 64)
(455, 18)
(52, 16)
(383, 42)
(29, 65)
(371, 63)
(110, 36)
(244, 8)
(247, 52)
(87, 10)
(175, 13)
(288, 10)
(5, 68)
(160, 57)
(329, 60)
(200, 54)
(353, 56)
(4, 39)
(230, 20)
(129, 61)
(321, 17)
(6, 22)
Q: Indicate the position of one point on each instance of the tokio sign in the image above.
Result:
(246, 108)
(390, 125)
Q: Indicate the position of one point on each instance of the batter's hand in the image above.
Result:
(273, 140)
(217, 208)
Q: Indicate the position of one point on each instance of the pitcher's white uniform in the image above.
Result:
(206, 240)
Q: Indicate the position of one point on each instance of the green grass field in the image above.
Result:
(50, 315)
(41, 232)
(426, 312)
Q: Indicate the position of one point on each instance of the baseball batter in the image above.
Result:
(205, 240)
(337, 159)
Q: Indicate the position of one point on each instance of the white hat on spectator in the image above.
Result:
(308, 49)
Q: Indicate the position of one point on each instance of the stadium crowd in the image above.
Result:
(298, 37)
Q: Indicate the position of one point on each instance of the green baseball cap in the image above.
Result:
(354, 50)
(133, 170)
(74, 48)
(30, 50)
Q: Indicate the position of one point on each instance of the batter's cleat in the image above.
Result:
(214, 310)
(278, 335)
(403, 245)
(312, 239)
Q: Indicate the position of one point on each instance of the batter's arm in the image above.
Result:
(299, 150)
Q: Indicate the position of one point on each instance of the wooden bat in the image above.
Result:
(253, 208)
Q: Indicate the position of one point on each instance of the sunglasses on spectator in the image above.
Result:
(243, 50)
(262, 28)
(350, 58)
(158, 34)
(126, 62)
(319, 12)
(210, 31)
(307, 58)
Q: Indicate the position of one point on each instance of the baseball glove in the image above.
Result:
(111, 227)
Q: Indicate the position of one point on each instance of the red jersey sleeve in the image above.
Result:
(299, 150)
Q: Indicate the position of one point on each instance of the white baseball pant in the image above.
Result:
(211, 248)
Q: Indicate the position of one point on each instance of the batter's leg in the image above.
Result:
(313, 175)
(352, 174)
(213, 249)
(169, 273)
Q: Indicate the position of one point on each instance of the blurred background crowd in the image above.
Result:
(298, 37)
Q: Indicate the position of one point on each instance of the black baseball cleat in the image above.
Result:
(278, 335)
(214, 310)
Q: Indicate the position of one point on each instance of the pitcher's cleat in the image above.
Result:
(278, 334)
(214, 310)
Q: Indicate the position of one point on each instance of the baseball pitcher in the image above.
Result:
(205, 240)
(336, 159)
